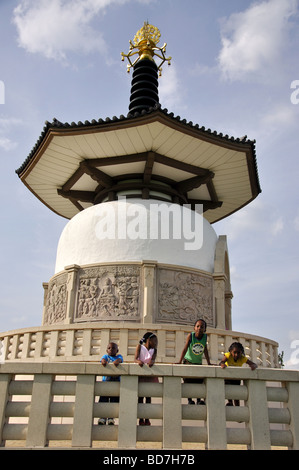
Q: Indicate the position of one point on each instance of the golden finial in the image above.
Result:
(145, 45)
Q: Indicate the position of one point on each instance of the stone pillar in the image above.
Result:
(149, 291)
(71, 292)
(219, 290)
(222, 287)
(83, 414)
(216, 420)
(128, 403)
(228, 309)
(172, 413)
(293, 391)
(259, 416)
(39, 411)
(4, 398)
(45, 286)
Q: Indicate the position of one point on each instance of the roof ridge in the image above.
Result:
(57, 124)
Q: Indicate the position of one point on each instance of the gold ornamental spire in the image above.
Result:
(145, 45)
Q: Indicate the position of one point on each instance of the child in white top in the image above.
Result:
(146, 352)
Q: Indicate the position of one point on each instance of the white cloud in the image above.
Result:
(199, 70)
(276, 122)
(244, 221)
(170, 90)
(253, 40)
(7, 144)
(54, 28)
(6, 126)
(277, 227)
(281, 115)
(259, 218)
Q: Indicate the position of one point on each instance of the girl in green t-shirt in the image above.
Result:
(193, 351)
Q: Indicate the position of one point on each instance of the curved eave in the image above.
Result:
(61, 149)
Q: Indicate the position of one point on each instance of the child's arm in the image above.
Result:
(185, 348)
(104, 361)
(118, 361)
(136, 358)
(206, 353)
(222, 362)
(251, 364)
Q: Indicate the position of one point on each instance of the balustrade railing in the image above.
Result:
(46, 404)
(88, 342)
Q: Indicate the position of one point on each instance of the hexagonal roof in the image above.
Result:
(151, 154)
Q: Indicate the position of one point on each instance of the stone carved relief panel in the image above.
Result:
(108, 293)
(184, 296)
(55, 308)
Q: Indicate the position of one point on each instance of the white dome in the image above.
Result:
(137, 230)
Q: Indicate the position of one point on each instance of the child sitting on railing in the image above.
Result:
(235, 357)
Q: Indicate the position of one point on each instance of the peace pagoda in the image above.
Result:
(141, 193)
(139, 253)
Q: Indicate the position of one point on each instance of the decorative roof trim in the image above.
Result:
(206, 134)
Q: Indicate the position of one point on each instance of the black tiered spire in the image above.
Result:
(144, 90)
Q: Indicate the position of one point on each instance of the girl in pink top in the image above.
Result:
(146, 353)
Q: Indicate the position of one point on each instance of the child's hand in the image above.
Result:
(140, 363)
(116, 362)
(252, 365)
(223, 365)
(151, 363)
(104, 362)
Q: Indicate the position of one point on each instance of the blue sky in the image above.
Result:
(233, 68)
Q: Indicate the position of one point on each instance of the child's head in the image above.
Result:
(150, 340)
(237, 350)
(112, 349)
(200, 326)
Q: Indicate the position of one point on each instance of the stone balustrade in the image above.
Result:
(46, 404)
(88, 342)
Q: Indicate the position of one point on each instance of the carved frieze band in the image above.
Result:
(116, 292)
(56, 300)
(108, 293)
(184, 296)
